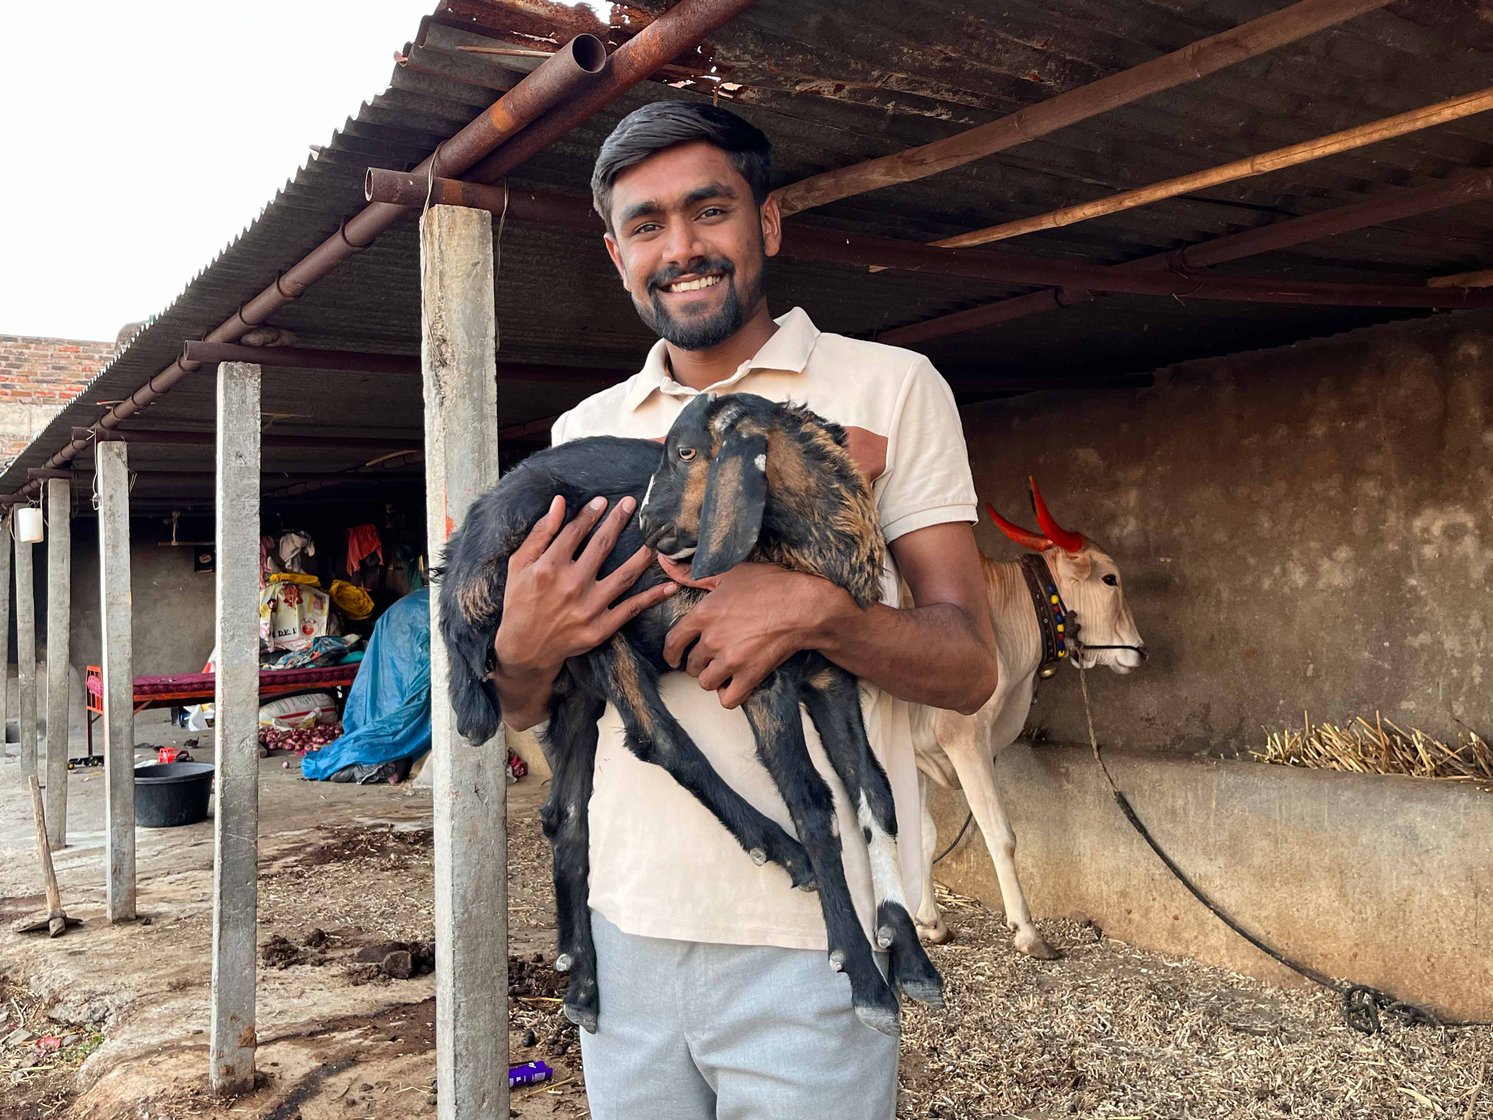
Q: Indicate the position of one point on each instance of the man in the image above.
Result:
(716, 998)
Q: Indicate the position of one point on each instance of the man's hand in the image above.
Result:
(555, 607)
(755, 618)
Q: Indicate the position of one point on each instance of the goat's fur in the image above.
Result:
(739, 478)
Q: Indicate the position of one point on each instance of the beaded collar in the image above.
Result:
(1055, 621)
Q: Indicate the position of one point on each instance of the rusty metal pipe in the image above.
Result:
(403, 188)
(562, 74)
(658, 44)
(268, 439)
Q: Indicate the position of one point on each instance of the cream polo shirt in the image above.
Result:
(661, 864)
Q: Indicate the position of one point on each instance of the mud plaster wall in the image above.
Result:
(1306, 528)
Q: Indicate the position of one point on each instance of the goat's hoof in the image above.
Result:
(564, 962)
(837, 960)
(759, 857)
(924, 990)
(808, 886)
(583, 1017)
(884, 937)
(879, 1018)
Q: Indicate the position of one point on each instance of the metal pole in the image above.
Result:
(236, 825)
(470, 790)
(117, 624)
(26, 654)
(59, 647)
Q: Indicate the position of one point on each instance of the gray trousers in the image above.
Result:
(691, 1031)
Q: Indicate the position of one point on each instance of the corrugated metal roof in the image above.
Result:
(834, 85)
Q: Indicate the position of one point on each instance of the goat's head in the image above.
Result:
(1089, 582)
(705, 501)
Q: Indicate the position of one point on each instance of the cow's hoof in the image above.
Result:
(937, 934)
(1030, 942)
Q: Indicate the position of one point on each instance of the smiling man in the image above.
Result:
(717, 1002)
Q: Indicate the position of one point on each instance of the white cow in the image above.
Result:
(959, 751)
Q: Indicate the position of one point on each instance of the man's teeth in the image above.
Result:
(694, 285)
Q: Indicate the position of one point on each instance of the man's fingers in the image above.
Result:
(740, 685)
(699, 662)
(683, 632)
(634, 605)
(713, 675)
(541, 534)
(626, 573)
(605, 538)
(569, 538)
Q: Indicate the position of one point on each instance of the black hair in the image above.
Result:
(665, 124)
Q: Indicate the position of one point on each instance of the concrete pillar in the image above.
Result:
(458, 354)
(26, 656)
(4, 632)
(59, 648)
(117, 626)
(236, 733)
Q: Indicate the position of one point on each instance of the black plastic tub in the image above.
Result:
(172, 793)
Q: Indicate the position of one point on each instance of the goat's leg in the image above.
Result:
(654, 735)
(570, 748)
(833, 701)
(777, 727)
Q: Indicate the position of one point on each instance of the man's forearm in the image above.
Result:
(524, 693)
(929, 655)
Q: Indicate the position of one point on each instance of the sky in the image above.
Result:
(141, 136)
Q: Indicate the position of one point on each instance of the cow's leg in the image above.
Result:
(570, 748)
(976, 770)
(833, 701)
(654, 735)
(930, 923)
(777, 727)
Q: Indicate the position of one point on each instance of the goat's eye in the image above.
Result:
(687, 454)
(1112, 579)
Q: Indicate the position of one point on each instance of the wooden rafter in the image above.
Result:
(1196, 60)
(1380, 209)
(1452, 109)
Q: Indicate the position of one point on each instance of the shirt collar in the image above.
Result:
(787, 350)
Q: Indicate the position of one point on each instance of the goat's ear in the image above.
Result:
(735, 496)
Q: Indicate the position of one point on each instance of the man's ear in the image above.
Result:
(616, 255)
(772, 226)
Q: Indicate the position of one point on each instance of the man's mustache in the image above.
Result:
(711, 264)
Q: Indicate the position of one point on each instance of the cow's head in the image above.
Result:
(1089, 582)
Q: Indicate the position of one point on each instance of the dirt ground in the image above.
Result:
(110, 1022)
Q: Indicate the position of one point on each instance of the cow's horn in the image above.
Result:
(1024, 537)
(1068, 542)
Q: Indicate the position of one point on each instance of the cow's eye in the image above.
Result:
(1112, 579)
(686, 454)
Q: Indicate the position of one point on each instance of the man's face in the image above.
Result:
(691, 244)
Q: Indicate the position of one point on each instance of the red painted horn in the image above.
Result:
(1024, 537)
(1068, 542)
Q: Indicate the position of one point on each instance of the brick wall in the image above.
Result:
(37, 377)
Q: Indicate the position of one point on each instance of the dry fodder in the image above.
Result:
(1112, 1032)
(1380, 747)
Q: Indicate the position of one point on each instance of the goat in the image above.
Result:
(738, 478)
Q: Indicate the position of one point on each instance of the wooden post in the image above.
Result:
(59, 648)
(469, 783)
(115, 607)
(5, 526)
(236, 733)
(26, 655)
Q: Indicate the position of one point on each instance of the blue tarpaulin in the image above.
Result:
(387, 717)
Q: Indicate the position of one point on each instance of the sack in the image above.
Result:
(291, 614)
(291, 713)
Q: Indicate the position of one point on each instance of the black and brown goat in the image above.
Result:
(739, 478)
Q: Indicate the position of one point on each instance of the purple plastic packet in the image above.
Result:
(530, 1073)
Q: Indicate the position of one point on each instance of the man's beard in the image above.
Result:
(703, 331)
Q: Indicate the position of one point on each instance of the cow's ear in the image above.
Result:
(1075, 565)
(735, 497)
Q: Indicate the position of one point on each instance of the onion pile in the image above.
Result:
(300, 739)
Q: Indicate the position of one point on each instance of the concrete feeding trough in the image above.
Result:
(172, 793)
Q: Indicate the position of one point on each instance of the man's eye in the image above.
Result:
(686, 454)
(1112, 579)
(712, 212)
(646, 227)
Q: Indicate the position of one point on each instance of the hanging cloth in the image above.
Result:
(363, 542)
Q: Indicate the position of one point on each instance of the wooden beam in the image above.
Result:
(457, 330)
(5, 566)
(1231, 247)
(1293, 155)
(117, 626)
(231, 1038)
(1481, 279)
(59, 635)
(1196, 60)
